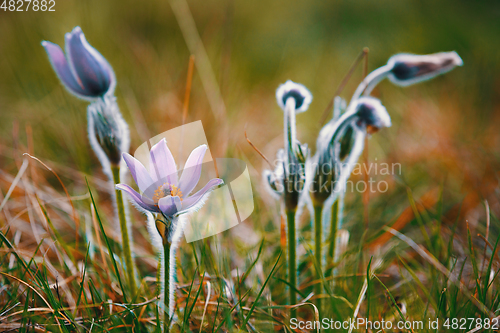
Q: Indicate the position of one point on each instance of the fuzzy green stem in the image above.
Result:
(334, 227)
(166, 282)
(318, 239)
(127, 253)
(292, 267)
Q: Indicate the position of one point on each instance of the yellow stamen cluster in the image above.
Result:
(176, 192)
(164, 190)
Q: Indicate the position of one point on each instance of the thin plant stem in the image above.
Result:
(318, 238)
(127, 252)
(166, 283)
(290, 127)
(292, 267)
(334, 226)
(366, 194)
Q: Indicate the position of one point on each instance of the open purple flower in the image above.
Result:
(162, 191)
(83, 70)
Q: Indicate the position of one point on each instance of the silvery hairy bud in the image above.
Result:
(331, 169)
(371, 115)
(407, 69)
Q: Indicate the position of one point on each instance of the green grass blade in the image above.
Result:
(194, 302)
(232, 309)
(260, 292)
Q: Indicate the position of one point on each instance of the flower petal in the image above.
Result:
(92, 71)
(163, 163)
(138, 199)
(192, 170)
(139, 172)
(170, 205)
(191, 201)
(62, 69)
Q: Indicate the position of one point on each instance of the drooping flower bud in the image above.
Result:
(371, 114)
(298, 92)
(274, 179)
(407, 69)
(83, 71)
(292, 98)
(289, 177)
(340, 143)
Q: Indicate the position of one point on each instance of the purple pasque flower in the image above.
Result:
(82, 70)
(162, 191)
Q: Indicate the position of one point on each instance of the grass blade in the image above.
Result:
(261, 290)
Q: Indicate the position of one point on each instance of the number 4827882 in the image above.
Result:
(28, 5)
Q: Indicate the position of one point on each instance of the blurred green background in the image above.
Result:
(443, 129)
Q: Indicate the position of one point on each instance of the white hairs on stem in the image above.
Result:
(154, 234)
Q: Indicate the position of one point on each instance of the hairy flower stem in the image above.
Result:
(127, 253)
(292, 267)
(318, 238)
(335, 223)
(166, 283)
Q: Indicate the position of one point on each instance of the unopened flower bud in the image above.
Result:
(371, 114)
(339, 144)
(83, 70)
(274, 179)
(407, 69)
(297, 91)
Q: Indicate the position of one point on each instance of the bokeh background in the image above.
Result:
(445, 132)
